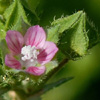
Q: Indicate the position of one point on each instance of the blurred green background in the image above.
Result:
(86, 72)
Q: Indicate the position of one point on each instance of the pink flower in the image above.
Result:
(31, 52)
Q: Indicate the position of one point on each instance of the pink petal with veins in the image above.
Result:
(35, 36)
(37, 71)
(47, 53)
(12, 62)
(14, 41)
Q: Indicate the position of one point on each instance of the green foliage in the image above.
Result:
(73, 34)
(67, 22)
(13, 14)
(34, 6)
(60, 25)
(74, 42)
(31, 5)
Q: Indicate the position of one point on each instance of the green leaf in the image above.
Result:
(35, 6)
(31, 4)
(74, 35)
(67, 22)
(13, 14)
(74, 42)
(60, 25)
(56, 84)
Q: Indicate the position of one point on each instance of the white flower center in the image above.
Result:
(29, 53)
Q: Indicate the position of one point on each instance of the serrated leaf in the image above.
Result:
(60, 25)
(74, 35)
(74, 42)
(13, 14)
(35, 6)
(66, 22)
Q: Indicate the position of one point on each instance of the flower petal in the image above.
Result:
(14, 41)
(35, 36)
(11, 62)
(48, 52)
(37, 71)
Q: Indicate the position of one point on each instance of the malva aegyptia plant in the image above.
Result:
(36, 51)
(30, 54)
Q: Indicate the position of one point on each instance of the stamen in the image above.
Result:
(29, 53)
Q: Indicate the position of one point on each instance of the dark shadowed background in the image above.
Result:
(86, 72)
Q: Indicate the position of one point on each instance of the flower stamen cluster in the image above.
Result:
(29, 53)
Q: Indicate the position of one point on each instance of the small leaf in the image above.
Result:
(34, 6)
(13, 14)
(56, 84)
